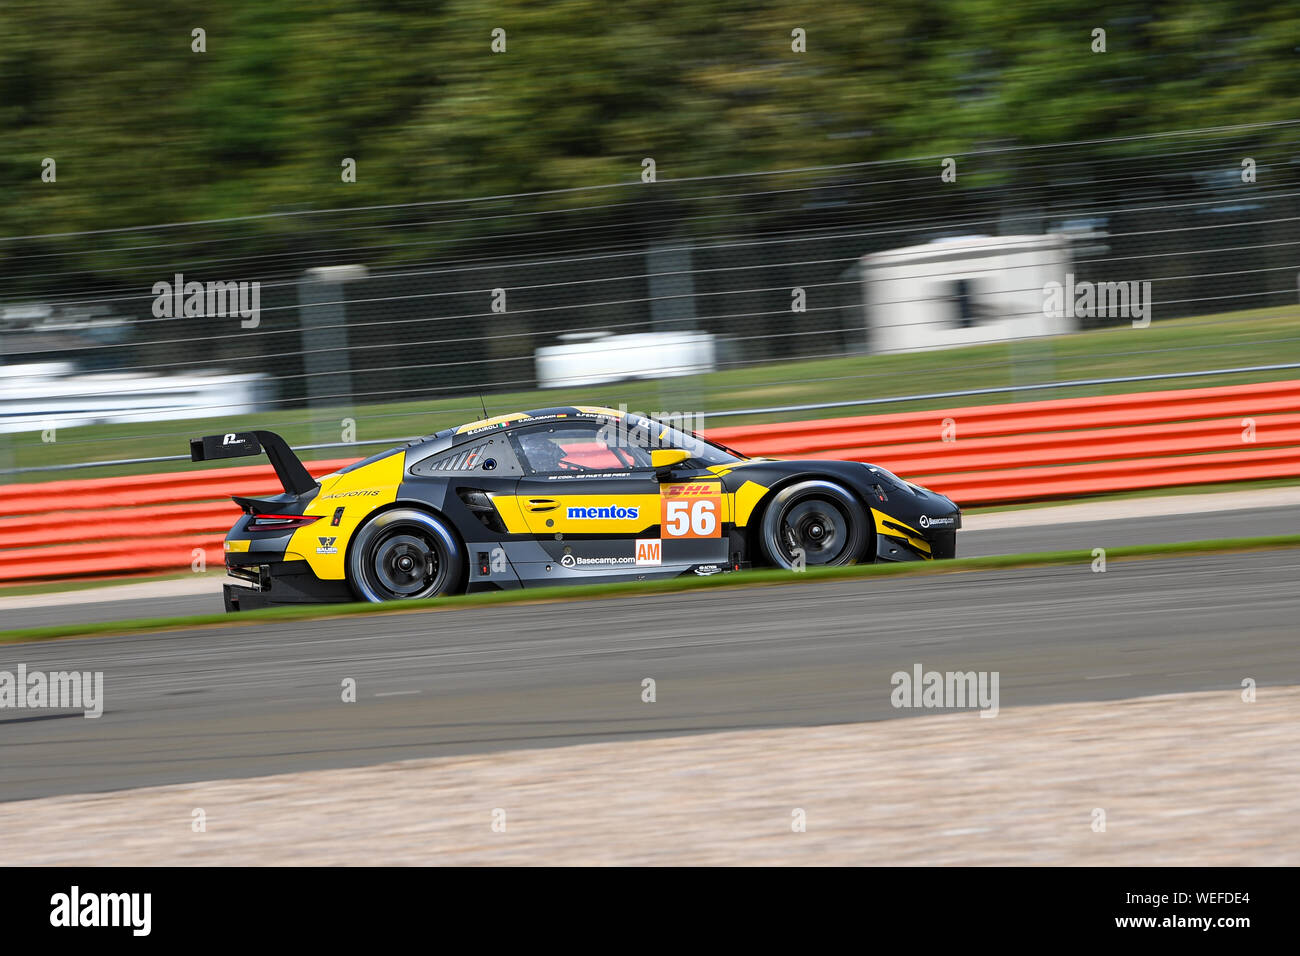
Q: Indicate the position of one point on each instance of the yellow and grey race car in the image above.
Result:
(558, 496)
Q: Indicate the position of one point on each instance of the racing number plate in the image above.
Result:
(692, 510)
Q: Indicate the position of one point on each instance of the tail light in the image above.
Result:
(280, 522)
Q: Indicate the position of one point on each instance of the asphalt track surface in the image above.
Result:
(1059, 537)
(261, 699)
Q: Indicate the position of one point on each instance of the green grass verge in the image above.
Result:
(1234, 339)
(764, 577)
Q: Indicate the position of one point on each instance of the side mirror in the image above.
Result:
(662, 460)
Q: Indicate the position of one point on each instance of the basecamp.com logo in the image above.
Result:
(925, 521)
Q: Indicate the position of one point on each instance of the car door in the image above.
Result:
(597, 510)
(589, 504)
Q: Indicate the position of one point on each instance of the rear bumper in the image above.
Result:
(243, 599)
(281, 584)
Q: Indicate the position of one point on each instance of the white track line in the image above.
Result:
(1133, 508)
(181, 587)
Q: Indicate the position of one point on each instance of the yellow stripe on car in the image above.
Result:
(489, 422)
(612, 513)
(910, 534)
(746, 499)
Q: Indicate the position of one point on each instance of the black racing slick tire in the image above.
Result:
(818, 520)
(404, 554)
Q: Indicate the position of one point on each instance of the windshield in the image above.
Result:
(655, 434)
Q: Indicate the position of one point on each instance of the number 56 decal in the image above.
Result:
(692, 510)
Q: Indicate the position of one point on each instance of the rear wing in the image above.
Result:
(295, 478)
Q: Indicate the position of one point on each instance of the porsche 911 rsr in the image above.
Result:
(558, 496)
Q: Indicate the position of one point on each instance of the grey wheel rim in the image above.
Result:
(405, 562)
(817, 528)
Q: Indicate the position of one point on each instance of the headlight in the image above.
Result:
(888, 477)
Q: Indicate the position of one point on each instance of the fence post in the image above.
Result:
(326, 360)
(672, 307)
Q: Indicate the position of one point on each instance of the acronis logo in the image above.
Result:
(607, 511)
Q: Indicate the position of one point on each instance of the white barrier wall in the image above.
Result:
(613, 358)
(51, 395)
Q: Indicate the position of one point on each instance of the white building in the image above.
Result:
(963, 291)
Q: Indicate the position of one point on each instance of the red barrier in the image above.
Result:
(157, 489)
(997, 454)
(96, 526)
(979, 455)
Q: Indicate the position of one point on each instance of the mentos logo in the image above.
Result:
(608, 511)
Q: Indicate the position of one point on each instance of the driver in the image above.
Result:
(544, 454)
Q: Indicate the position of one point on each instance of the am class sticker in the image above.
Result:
(649, 552)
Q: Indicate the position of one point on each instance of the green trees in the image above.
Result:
(144, 130)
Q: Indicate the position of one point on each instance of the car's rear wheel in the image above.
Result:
(815, 523)
(404, 554)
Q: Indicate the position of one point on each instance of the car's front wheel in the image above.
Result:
(815, 523)
(403, 554)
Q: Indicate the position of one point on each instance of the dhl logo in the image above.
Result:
(694, 491)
